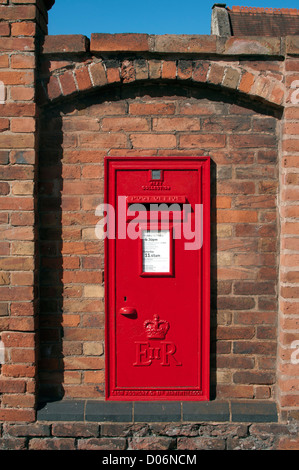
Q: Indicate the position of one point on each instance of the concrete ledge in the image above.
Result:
(206, 411)
(253, 412)
(109, 411)
(65, 410)
(145, 412)
(159, 412)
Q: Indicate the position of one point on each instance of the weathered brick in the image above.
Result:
(67, 82)
(192, 44)
(75, 430)
(151, 443)
(65, 43)
(200, 443)
(119, 42)
(153, 141)
(98, 74)
(83, 78)
(103, 443)
(52, 444)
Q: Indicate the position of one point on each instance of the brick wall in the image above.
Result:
(288, 383)
(22, 24)
(242, 143)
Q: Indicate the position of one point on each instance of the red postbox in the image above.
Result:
(156, 227)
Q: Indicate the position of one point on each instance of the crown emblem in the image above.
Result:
(156, 328)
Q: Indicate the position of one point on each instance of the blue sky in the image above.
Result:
(142, 16)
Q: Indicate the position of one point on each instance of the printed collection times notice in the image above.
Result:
(156, 251)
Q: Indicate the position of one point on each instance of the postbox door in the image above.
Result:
(157, 328)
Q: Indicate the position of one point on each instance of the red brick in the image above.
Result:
(252, 141)
(4, 124)
(216, 74)
(75, 430)
(197, 43)
(17, 44)
(290, 194)
(4, 61)
(12, 386)
(117, 124)
(11, 141)
(18, 370)
(22, 93)
(119, 42)
(200, 71)
(151, 443)
(16, 293)
(4, 29)
(22, 323)
(22, 61)
(82, 277)
(102, 443)
(127, 71)
(290, 292)
(17, 339)
(92, 171)
(113, 75)
(176, 124)
(226, 216)
(153, 140)
(22, 125)
(52, 444)
(169, 69)
(288, 443)
(103, 141)
(83, 78)
(23, 29)
(13, 77)
(277, 94)
(86, 363)
(98, 74)
(27, 12)
(246, 83)
(17, 109)
(184, 70)
(154, 69)
(202, 141)
(54, 90)
(290, 145)
(151, 108)
(65, 43)
(17, 415)
(67, 83)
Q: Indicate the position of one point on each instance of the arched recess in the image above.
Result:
(74, 78)
(238, 127)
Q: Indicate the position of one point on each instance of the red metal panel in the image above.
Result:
(157, 280)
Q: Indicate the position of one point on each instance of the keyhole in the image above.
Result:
(125, 299)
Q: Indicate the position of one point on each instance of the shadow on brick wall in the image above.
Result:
(62, 219)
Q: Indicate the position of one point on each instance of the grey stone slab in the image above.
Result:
(108, 411)
(64, 410)
(206, 411)
(145, 412)
(255, 412)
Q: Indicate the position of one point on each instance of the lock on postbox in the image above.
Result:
(157, 278)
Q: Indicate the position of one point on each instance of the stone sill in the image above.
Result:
(140, 412)
(172, 44)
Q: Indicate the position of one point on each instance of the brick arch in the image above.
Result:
(83, 77)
